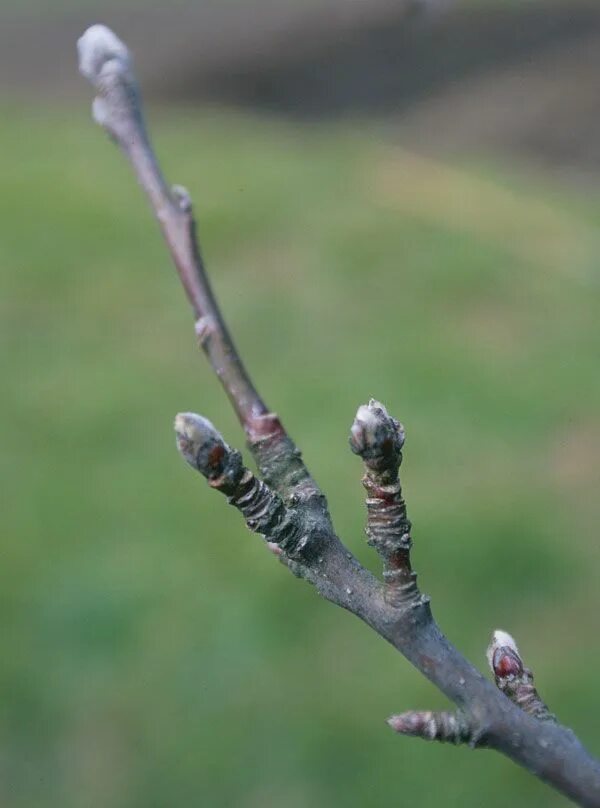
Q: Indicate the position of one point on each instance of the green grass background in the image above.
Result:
(152, 653)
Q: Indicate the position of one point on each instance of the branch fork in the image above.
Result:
(286, 507)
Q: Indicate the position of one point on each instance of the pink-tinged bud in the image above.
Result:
(433, 726)
(506, 663)
(513, 678)
(503, 656)
(411, 723)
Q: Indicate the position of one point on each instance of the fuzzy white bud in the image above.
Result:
(97, 47)
(500, 639)
(106, 62)
(375, 432)
(369, 416)
(195, 428)
(200, 444)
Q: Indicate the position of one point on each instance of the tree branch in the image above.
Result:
(106, 62)
(291, 513)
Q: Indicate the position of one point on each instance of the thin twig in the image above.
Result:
(106, 62)
(379, 439)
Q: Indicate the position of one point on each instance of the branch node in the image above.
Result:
(182, 198)
(401, 589)
(280, 462)
(205, 326)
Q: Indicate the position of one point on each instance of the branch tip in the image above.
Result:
(98, 47)
(106, 63)
(378, 439)
(200, 444)
(375, 435)
(181, 196)
(445, 727)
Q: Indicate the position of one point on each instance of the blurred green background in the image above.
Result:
(152, 653)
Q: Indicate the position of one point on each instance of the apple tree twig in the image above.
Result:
(287, 508)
